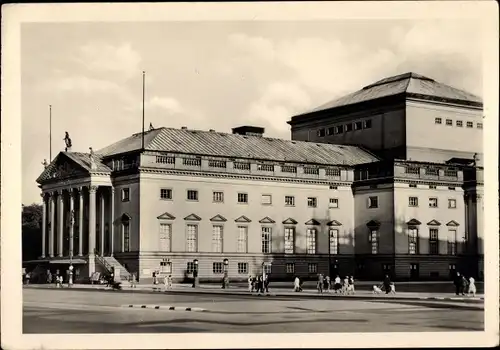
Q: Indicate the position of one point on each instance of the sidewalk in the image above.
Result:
(361, 293)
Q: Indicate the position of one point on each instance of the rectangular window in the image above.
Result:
(348, 127)
(433, 202)
(412, 240)
(165, 237)
(358, 125)
(460, 123)
(413, 201)
(311, 241)
(339, 129)
(290, 201)
(452, 242)
(166, 193)
(452, 203)
(334, 202)
(241, 166)
(312, 268)
(332, 172)
(217, 232)
(190, 267)
(267, 269)
(479, 125)
(192, 195)
(242, 239)
(433, 241)
(451, 188)
(217, 164)
(373, 238)
(266, 199)
(449, 122)
(289, 240)
(330, 131)
(432, 171)
(438, 120)
(192, 238)
(165, 267)
(288, 169)
(372, 202)
(412, 170)
(312, 202)
(321, 132)
(191, 161)
(242, 268)
(290, 268)
(125, 194)
(470, 125)
(265, 167)
(367, 124)
(126, 236)
(165, 160)
(218, 197)
(217, 268)
(333, 187)
(311, 171)
(242, 198)
(451, 172)
(334, 241)
(266, 239)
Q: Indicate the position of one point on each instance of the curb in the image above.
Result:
(454, 299)
(166, 307)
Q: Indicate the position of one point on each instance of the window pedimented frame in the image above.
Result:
(433, 223)
(373, 224)
(453, 223)
(312, 222)
(267, 220)
(166, 216)
(243, 220)
(125, 217)
(218, 218)
(192, 217)
(334, 223)
(413, 222)
(290, 221)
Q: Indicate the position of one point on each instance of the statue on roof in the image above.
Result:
(67, 140)
(92, 158)
(45, 164)
(151, 126)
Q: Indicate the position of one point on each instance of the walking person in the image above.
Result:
(351, 284)
(327, 284)
(320, 283)
(169, 281)
(165, 283)
(337, 286)
(28, 276)
(472, 287)
(266, 283)
(49, 277)
(296, 284)
(458, 283)
(250, 283)
(387, 284)
(464, 285)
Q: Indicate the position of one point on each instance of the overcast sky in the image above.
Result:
(216, 75)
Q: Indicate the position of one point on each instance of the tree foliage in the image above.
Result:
(32, 231)
(32, 216)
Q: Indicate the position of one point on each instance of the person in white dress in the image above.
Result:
(472, 287)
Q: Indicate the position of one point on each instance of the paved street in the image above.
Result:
(75, 311)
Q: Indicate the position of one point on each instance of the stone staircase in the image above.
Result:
(109, 262)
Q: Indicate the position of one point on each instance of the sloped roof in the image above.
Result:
(211, 143)
(409, 83)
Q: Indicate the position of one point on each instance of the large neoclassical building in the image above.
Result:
(377, 182)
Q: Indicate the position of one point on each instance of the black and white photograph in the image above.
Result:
(249, 173)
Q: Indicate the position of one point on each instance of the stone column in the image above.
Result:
(44, 224)
(52, 199)
(92, 223)
(102, 225)
(72, 223)
(80, 222)
(112, 223)
(60, 228)
(92, 219)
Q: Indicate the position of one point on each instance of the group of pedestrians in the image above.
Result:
(259, 284)
(464, 285)
(345, 286)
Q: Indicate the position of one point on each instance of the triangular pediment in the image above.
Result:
(413, 222)
(312, 222)
(62, 167)
(218, 218)
(452, 223)
(334, 223)
(290, 221)
(192, 217)
(434, 223)
(267, 220)
(166, 216)
(243, 219)
(373, 223)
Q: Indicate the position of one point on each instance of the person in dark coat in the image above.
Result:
(464, 285)
(458, 283)
(387, 284)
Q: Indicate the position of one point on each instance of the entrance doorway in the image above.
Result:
(414, 272)
(453, 271)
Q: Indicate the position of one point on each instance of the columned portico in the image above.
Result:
(52, 223)
(60, 231)
(92, 220)
(44, 224)
(80, 222)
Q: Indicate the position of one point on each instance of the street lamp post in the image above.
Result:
(72, 222)
(225, 281)
(195, 273)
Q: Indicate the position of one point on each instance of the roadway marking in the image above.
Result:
(165, 307)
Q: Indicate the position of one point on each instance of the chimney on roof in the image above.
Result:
(249, 130)
(184, 128)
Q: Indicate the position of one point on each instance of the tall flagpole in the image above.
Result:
(143, 94)
(50, 133)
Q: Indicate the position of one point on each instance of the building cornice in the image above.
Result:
(244, 177)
